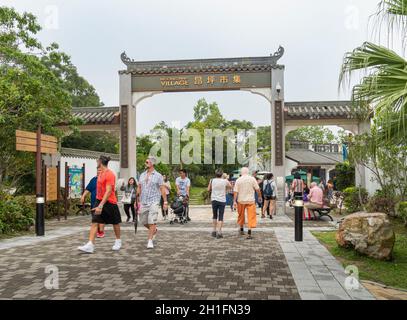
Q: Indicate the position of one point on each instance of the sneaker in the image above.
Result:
(87, 248)
(100, 235)
(128, 220)
(117, 245)
(214, 234)
(150, 244)
(219, 236)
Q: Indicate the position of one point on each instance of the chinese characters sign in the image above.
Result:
(198, 82)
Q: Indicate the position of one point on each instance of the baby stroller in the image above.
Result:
(178, 211)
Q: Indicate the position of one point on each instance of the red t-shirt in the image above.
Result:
(106, 178)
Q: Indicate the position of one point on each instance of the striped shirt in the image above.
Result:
(150, 187)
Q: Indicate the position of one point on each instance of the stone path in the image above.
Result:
(186, 263)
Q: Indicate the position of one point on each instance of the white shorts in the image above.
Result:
(149, 213)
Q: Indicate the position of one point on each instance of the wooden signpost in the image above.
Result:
(39, 143)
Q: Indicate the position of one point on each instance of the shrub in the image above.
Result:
(345, 176)
(206, 196)
(354, 199)
(402, 211)
(16, 214)
(200, 181)
(382, 202)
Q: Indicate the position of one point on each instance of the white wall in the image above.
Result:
(289, 166)
(90, 167)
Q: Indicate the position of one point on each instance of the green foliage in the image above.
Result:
(16, 214)
(387, 163)
(345, 176)
(314, 135)
(95, 141)
(382, 202)
(200, 181)
(402, 211)
(355, 199)
(384, 85)
(38, 85)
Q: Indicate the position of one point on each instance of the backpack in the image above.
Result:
(269, 190)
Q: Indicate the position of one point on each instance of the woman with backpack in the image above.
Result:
(269, 194)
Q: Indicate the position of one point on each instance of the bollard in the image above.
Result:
(39, 215)
(299, 208)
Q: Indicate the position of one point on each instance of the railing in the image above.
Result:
(305, 145)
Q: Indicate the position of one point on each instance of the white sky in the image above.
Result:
(314, 33)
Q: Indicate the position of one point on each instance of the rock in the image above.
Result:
(368, 233)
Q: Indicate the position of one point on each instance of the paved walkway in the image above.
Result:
(186, 263)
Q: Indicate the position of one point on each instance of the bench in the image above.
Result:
(323, 212)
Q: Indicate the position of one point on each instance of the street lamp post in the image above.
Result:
(299, 208)
(40, 200)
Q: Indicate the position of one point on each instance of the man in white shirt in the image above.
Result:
(183, 184)
(244, 200)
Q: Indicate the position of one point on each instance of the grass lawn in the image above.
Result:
(195, 195)
(393, 273)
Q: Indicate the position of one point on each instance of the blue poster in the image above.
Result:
(75, 182)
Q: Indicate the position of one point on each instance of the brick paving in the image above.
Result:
(186, 264)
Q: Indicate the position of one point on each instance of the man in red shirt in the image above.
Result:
(106, 210)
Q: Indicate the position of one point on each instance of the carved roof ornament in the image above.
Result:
(241, 64)
(277, 55)
(126, 60)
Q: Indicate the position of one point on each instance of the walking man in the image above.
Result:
(244, 200)
(183, 184)
(151, 188)
(91, 189)
(106, 210)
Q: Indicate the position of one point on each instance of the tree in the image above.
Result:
(95, 141)
(314, 135)
(83, 94)
(30, 92)
(384, 85)
(387, 163)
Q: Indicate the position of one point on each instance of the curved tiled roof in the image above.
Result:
(246, 64)
(98, 115)
(309, 157)
(319, 110)
(292, 111)
(87, 154)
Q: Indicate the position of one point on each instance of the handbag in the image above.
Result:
(127, 198)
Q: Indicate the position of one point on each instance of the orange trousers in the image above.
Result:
(251, 214)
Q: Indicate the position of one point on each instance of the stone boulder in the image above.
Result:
(368, 233)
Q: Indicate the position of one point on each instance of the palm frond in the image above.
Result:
(392, 15)
(384, 85)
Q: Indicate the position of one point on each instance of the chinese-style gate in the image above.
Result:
(259, 75)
